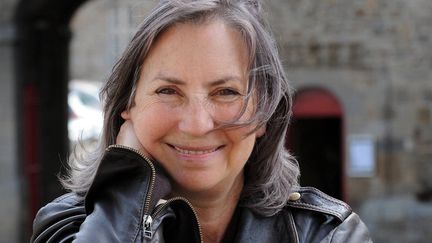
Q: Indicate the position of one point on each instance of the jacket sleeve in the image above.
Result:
(351, 230)
(59, 220)
(114, 207)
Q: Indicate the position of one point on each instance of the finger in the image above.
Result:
(127, 137)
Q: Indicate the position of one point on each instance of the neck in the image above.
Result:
(215, 211)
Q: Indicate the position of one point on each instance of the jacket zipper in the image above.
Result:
(147, 219)
(160, 207)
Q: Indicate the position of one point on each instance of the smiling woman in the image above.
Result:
(186, 108)
(193, 143)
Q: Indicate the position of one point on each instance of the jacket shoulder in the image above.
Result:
(69, 198)
(63, 214)
(66, 204)
(312, 199)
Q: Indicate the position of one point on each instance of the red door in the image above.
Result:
(315, 137)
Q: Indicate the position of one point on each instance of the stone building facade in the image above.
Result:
(374, 57)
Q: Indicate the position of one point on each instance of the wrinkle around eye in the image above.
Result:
(172, 100)
(228, 92)
(166, 91)
(227, 95)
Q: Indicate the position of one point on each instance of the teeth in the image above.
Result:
(194, 152)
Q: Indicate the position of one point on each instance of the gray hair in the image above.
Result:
(271, 173)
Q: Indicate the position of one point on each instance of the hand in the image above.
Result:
(127, 137)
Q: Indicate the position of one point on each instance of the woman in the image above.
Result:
(196, 112)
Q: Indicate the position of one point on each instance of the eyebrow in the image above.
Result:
(216, 82)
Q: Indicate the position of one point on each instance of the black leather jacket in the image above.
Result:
(123, 205)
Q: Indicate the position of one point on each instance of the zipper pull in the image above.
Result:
(147, 226)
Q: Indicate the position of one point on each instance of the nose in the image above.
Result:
(196, 120)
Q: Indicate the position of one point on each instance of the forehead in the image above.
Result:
(210, 48)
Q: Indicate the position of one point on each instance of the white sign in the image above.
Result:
(362, 158)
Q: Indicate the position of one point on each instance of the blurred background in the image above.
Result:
(362, 126)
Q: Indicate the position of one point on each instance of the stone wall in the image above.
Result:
(375, 57)
(101, 31)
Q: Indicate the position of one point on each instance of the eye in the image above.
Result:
(166, 91)
(227, 92)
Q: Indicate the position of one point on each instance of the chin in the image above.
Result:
(195, 185)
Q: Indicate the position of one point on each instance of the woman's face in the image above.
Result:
(194, 77)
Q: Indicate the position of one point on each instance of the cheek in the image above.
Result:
(242, 146)
(151, 122)
(248, 113)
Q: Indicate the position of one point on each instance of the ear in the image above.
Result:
(261, 131)
(125, 115)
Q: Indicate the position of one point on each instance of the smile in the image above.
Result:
(194, 151)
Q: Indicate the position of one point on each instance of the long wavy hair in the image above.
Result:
(271, 173)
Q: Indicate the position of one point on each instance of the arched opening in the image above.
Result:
(315, 137)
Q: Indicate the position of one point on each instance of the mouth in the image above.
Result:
(195, 150)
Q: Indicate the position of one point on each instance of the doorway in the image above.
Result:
(315, 137)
